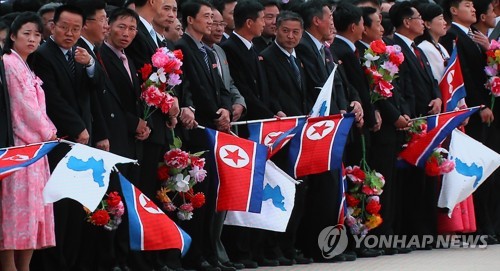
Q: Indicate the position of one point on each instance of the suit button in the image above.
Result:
(112, 115)
(103, 91)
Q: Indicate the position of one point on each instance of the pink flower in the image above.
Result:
(491, 70)
(198, 174)
(355, 174)
(494, 45)
(350, 221)
(186, 207)
(174, 79)
(176, 158)
(160, 59)
(118, 210)
(446, 166)
(153, 96)
(197, 161)
(167, 103)
(389, 49)
(390, 67)
(494, 85)
(384, 89)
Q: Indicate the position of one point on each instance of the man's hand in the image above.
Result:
(171, 123)
(435, 106)
(223, 122)
(82, 56)
(481, 39)
(187, 118)
(83, 137)
(144, 134)
(378, 120)
(360, 123)
(486, 115)
(357, 109)
(280, 114)
(103, 145)
(174, 110)
(402, 122)
(237, 111)
(142, 127)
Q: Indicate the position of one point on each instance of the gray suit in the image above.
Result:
(236, 98)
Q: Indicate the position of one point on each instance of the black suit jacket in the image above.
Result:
(250, 78)
(201, 88)
(472, 62)
(68, 99)
(293, 99)
(356, 76)
(260, 44)
(5, 119)
(317, 73)
(419, 86)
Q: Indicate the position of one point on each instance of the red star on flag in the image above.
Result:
(272, 138)
(320, 129)
(150, 204)
(233, 155)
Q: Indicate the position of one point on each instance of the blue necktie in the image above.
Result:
(295, 68)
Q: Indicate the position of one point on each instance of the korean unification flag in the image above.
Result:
(82, 175)
(277, 203)
(474, 162)
(322, 105)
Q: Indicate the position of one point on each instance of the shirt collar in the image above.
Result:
(285, 51)
(247, 43)
(463, 28)
(351, 45)
(64, 51)
(226, 35)
(149, 28)
(89, 44)
(116, 51)
(365, 44)
(318, 43)
(406, 40)
(198, 43)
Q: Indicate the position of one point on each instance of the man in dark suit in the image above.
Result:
(202, 89)
(287, 79)
(485, 126)
(6, 139)
(271, 12)
(226, 8)
(420, 91)
(68, 73)
(164, 20)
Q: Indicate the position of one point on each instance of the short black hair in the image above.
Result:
(122, 12)
(267, 3)
(191, 9)
(244, 10)
(21, 19)
(387, 24)
(447, 4)
(400, 11)
(128, 3)
(428, 12)
(70, 9)
(89, 8)
(310, 9)
(359, 2)
(367, 12)
(220, 5)
(140, 3)
(49, 7)
(26, 5)
(287, 15)
(346, 14)
(481, 7)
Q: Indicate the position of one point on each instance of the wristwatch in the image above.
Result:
(91, 62)
(192, 109)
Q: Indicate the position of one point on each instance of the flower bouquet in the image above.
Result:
(109, 215)
(437, 164)
(491, 69)
(381, 63)
(159, 80)
(179, 173)
(362, 197)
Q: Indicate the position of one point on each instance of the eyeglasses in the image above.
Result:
(219, 24)
(415, 18)
(100, 20)
(65, 28)
(125, 28)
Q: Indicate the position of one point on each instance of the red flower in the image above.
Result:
(384, 88)
(176, 158)
(494, 85)
(100, 218)
(178, 54)
(171, 66)
(162, 173)
(490, 53)
(198, 200)
(197, 162)
(113, 199)
(378, 46)
(145, 71)
(368, 190)
(351, 200)
(166, 104)
(432, 167)
(396, 58)
(373, 207)
(356, 174)
(153, 96)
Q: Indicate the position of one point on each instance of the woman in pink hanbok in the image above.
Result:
(26, 223)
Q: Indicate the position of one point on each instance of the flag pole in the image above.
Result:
(425, 117)
(32, 144)
(266, 120)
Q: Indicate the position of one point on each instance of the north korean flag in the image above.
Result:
(274, 134)
(319, 145)
(15, 158)
(149, 227)
(438, 128)
(452, 83)
(240, 166)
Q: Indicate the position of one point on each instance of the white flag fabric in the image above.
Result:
(474, 162)
(82, 175)
(322, 105)
(277, 203)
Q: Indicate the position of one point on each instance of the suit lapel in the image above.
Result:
(198, 56)
(61, 58)
(285, 64)
(411, 57)
(144, 31)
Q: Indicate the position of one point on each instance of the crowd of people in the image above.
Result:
(71, 69)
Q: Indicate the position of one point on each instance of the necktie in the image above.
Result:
(323, 55)
(295, 68)
(205, 56)
(356, 53)
(219, 68)
(71, 62)
(97, 55)
(471, 36)
(328, 60)
(124, 59)
(417, 54)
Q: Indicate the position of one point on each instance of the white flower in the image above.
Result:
(181, 183)
(158, 76)
(184, 215)
(369, 58)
